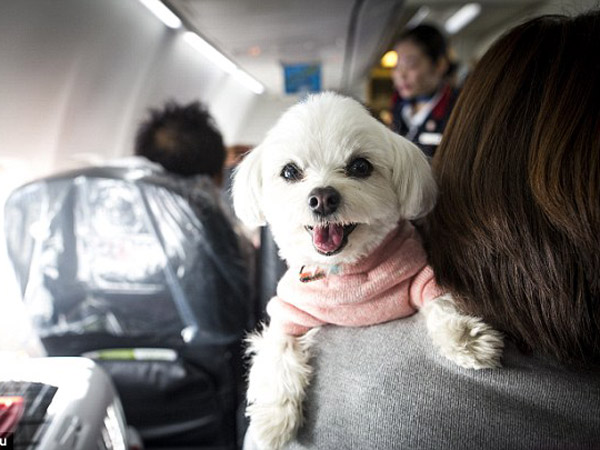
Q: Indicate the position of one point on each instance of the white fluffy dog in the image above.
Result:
(338, 190)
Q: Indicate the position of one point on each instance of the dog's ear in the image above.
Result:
(412, 177)
(247, 189)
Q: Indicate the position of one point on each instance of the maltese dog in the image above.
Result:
(338, 190)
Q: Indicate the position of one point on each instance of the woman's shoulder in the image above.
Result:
(385, 386)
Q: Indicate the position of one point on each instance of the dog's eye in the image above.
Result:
(291, 173)
(359, 168)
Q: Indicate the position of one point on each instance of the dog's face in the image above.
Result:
(331, 182)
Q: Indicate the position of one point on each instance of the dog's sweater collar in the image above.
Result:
(392, 282)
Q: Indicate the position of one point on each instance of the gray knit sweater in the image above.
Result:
(385, 387)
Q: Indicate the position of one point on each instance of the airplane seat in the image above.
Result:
(142, 272)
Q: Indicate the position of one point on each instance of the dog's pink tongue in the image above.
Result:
(328, 238)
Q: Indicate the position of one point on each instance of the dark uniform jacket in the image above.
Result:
(429, 134)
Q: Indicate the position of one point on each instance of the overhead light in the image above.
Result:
(209, 52)
(389, 60)
(462, 17)
(255, 50)
(419, 16)
(248, 81)
(163, 13)
(223, 62)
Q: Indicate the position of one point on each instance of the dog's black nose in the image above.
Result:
(324, 201)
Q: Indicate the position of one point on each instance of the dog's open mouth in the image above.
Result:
(330, 238)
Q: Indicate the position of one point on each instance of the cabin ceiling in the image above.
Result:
(346, 37)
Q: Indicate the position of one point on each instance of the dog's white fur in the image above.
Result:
(321, 136)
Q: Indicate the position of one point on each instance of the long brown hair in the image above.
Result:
(515, 233)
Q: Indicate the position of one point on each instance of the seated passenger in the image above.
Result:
(185, 142)
(514, 237)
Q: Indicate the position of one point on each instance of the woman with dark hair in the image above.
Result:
(423, 99)
(514, 237)
(516, 228)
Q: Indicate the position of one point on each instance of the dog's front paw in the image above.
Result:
(277, 383)
(272, 425)
(468, 341)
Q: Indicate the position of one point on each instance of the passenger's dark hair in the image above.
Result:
(515, 235)
(429, 39)
(183, 139)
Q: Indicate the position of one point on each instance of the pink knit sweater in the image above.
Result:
(390, 283)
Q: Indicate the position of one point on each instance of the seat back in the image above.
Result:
(117, 258)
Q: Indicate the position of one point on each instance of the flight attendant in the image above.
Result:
(423, 97)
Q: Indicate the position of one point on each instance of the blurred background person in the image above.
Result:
(184, 141)
(424, 96)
